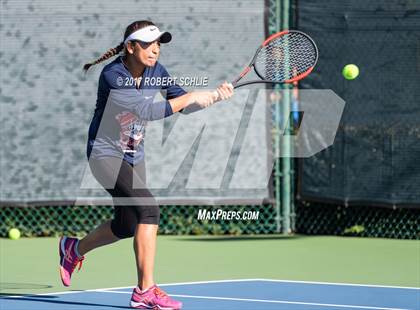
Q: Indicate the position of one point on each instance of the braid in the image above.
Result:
(110, 53)
(116, 50)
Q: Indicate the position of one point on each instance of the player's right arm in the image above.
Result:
(202, 98)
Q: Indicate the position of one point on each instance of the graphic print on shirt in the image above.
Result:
(132, 131)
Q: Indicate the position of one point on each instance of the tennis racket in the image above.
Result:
(284, 57)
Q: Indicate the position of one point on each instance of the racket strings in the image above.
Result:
(286, 57)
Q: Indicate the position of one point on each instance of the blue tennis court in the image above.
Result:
(235, 294)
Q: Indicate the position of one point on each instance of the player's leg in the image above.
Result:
(101, 236)
(115, 176)
(147, 294)
(139, 219)
(71, 250)
(106, 172)
(144, 244)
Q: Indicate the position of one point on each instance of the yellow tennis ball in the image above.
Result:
(350, 72)
(14, 234)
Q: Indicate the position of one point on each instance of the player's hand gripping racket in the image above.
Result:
(284, 57)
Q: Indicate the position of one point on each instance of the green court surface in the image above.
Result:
(29, 266)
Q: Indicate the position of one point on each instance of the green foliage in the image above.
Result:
(354, 230)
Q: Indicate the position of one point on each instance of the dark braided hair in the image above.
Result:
(118, 49)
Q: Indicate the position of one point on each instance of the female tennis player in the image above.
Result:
(115, 150)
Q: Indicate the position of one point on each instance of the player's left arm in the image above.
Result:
(172, 89)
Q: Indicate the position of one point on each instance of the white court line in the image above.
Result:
(340, 284)
(272, 301)
(216, 281)
(288, 281)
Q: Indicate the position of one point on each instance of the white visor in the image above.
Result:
(149, 34)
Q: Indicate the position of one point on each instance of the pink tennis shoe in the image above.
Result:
(153, 298)
(69, 258)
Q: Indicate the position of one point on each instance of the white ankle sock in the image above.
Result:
(144, 291)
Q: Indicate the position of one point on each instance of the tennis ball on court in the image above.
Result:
(350, 72)
(14, 234)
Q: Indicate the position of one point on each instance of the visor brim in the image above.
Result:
(166, 37)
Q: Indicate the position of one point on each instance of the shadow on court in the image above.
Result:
(11, 287)
(22, 286)
(7, 295)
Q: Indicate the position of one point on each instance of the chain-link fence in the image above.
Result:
(311, 219)
(362, 221)
(38, 221)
